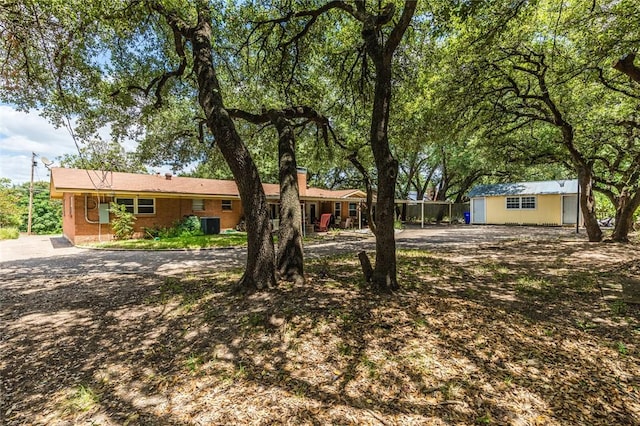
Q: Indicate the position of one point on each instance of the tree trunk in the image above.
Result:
(290, 260)
(260, 268)
(441, 196)
(588, 206)
(365, 264)
(627, 206)
(384, 275)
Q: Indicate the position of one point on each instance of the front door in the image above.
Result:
(569, 209)
(312, 213)
(477, 210)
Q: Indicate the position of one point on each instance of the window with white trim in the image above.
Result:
(524, 203)
(528, 203)
(227, 205)
(197, 205)
(337, 210)
(138, 205)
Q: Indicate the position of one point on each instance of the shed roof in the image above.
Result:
(561, 186)
(80, 180)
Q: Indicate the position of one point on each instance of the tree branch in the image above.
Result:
(626, 66)
(399, 29)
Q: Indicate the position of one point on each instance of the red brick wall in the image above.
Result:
(213, 208)
(168, 212)
(68, 214)
(83, 230)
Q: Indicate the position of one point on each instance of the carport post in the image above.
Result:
(422, 214)
(578, 209)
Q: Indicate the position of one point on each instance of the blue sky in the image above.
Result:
(23, 133)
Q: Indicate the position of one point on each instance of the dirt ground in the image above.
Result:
(514, 328)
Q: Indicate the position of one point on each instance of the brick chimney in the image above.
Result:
(167, 176)
(302, 181)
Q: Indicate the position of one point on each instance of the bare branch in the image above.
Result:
(610, 86)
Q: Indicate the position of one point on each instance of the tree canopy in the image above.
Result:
(415, 97)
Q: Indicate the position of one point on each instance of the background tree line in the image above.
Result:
(14, 208)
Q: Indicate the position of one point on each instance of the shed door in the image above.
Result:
(569, 209)
(477, 210)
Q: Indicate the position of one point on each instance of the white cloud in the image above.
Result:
(23, 133)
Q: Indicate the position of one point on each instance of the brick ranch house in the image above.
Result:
(160, 201)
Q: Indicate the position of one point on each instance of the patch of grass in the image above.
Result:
(254, 320)
(9, 233)
(498, 270)
(451, 390)
(371, 367)
(582, 282)
(421, 322)
(345, 349)
(82, 399)
(191, 242)
(622, 348)
(532, 286)
(618, 308)
(484, 420)
(585, 325)
(193, 363)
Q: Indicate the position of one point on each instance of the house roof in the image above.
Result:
(80, 180)
(526, 188)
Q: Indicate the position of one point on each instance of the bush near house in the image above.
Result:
(189, 226)
(122, 223)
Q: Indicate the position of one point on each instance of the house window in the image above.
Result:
(227, 205)
(353, 209)
(146, 206)
(138, 205)
(528, 202)
(337, 210)
(517, 203)
(197, 205)
(129, 204)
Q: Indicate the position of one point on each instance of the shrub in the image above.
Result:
(122, 223)
(9, 233)
(188, 226)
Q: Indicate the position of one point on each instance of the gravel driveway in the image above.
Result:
(54, 256)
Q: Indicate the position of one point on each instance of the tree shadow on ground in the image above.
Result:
(448, 348)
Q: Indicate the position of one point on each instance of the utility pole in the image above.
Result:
(33, 165)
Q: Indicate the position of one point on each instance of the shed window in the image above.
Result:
(525, 203)
(528, 202)
(513, 203)
(227, 205)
